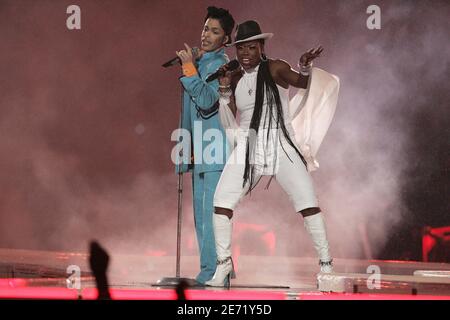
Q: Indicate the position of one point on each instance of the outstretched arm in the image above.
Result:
(285, 76)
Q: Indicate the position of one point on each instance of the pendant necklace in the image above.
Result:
(250, 88)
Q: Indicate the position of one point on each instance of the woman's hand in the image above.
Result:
(307, 58)
(225, 79)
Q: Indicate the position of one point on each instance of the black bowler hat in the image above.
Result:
(249, 31)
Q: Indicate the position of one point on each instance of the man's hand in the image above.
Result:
(310, 55)
(186, 55)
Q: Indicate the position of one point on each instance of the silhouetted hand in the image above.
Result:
(99, 260)
(181, 290)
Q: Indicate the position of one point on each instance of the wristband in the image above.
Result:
(189, 69)
(305, 70)
(226, 94)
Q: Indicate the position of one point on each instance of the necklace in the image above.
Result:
(250, 77)
(249, 87)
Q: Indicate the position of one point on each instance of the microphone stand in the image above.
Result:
(177, 280)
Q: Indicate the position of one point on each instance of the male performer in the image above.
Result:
(261, 94)
(200, 114)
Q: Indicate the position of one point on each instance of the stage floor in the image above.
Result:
(28, 274)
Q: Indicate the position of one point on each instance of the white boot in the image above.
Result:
(223, 228)
(315, 226)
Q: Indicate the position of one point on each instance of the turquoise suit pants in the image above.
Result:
(203, 186)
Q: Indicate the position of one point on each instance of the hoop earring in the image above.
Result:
(263, 57)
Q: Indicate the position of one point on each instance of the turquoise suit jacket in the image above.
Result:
(198, 96)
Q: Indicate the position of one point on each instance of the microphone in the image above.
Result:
(177, 60)
(232, 65)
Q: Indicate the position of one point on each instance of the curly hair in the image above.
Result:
(225, 19)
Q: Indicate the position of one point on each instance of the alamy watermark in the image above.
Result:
(213, 146)
(73, 21)
(374, 20)
(73, 281)
(374, 280)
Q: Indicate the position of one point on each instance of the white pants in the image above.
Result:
(292, 176)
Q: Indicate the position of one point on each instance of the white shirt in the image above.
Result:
(266, 153)
(310, 112)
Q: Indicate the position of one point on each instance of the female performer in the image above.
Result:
(260, 91)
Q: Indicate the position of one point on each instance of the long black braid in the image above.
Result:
(265, 85)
